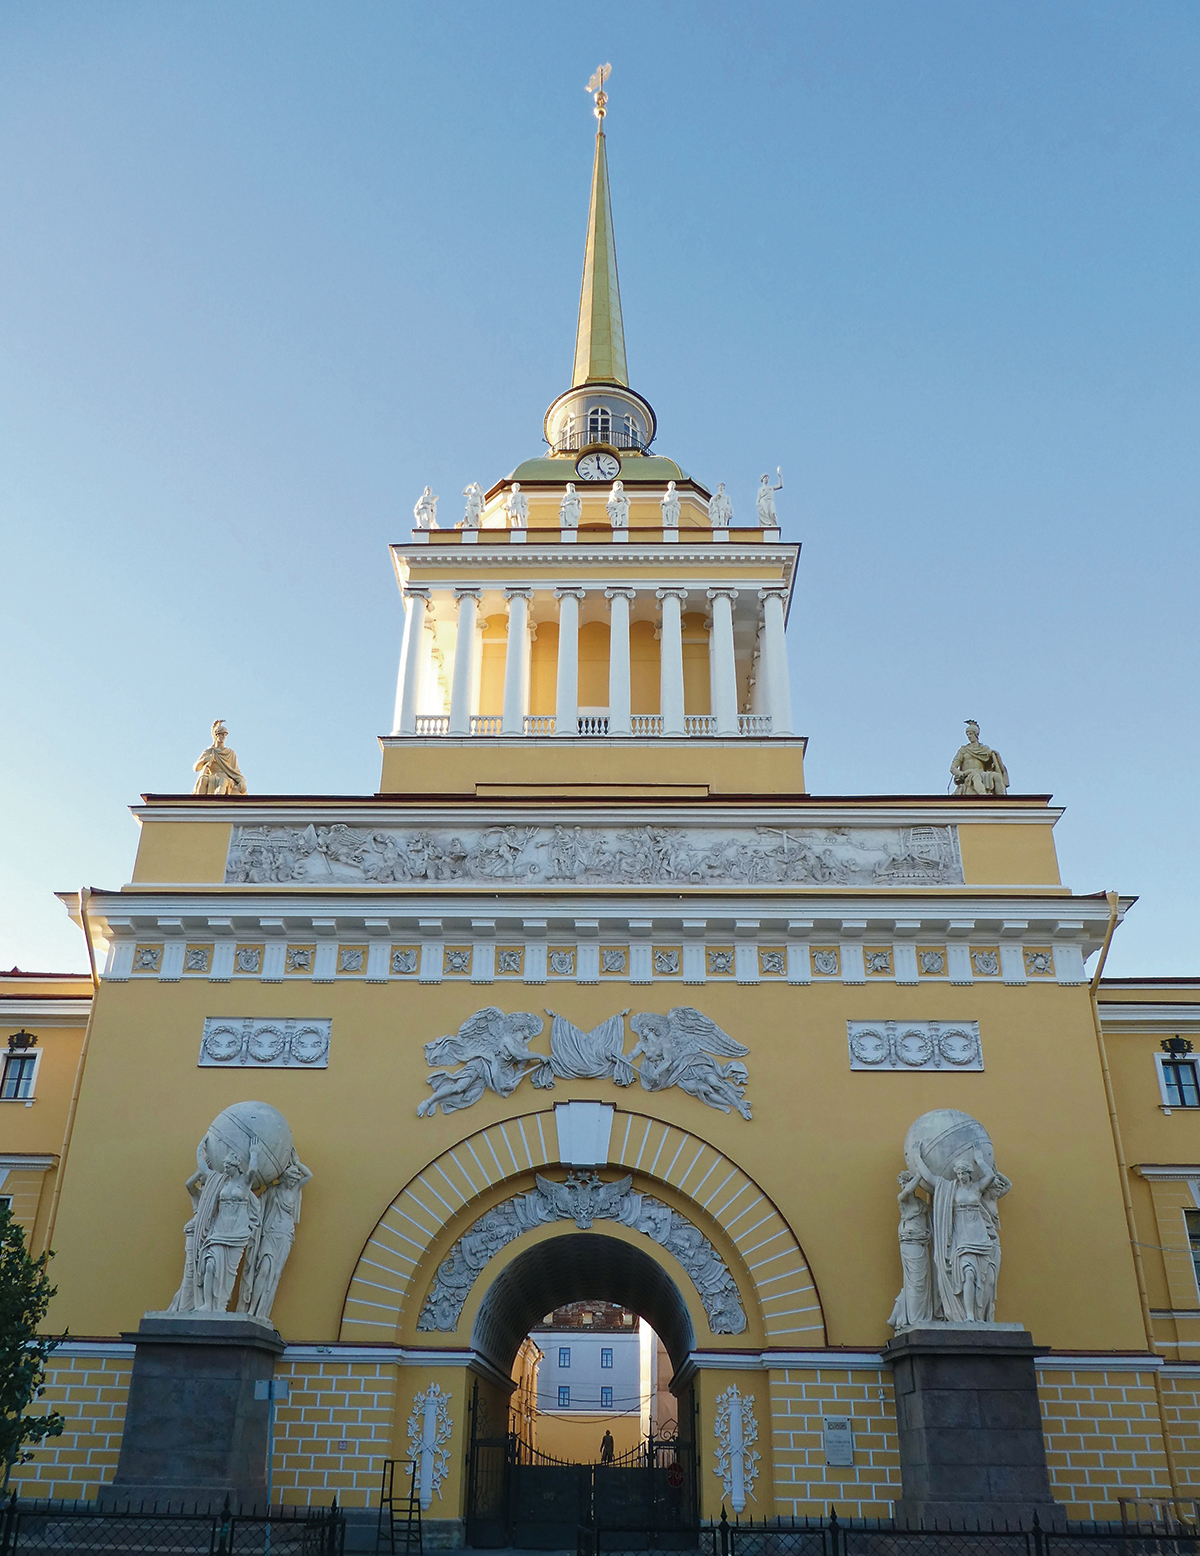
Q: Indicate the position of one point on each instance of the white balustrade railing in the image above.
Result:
(593, 724)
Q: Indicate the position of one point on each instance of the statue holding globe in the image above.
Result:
(950, 1246)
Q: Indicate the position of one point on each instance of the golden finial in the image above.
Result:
(596, 87)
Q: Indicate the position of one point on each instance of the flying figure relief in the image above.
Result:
(677, 1049)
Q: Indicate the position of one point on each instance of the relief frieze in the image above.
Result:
(595, 856)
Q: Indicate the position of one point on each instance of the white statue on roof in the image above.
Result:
(765, 500)
(517, 508)
(570, 510)
(474, 509)
(720, 509)
(425, 511)
(670, 507)
(617, 506)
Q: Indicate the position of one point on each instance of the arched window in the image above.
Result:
(633, 431)
(599, 424)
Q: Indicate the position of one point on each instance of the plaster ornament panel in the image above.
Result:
(248, 958)
(931, 962)
(949, 1242)
(300, 958)
(146, 958)
(827, 963)
(405, 959)
(258, 1044)
(509, 961)
(246, 1194)
(352, 959)
(562, 963)
(666, 962)
(878, 963)
(196, 957)
(429, 1429)
(492, 1051)
(720, 963)
(584, 1199)
(456, 959)
(772, 963)
(914, 1045)
(986, 963)
(599, 856)
(1039, 963)
(736, 1432)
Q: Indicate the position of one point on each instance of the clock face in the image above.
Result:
(598, 467)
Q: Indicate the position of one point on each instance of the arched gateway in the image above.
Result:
(593, 1000)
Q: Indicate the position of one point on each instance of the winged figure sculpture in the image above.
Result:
(677, 1050)
(493, 1048)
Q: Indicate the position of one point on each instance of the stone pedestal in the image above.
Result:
(970, 1427)
(194, 1430)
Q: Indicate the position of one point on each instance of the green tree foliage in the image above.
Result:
(25, 1293)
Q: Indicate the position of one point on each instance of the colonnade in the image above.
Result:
(773, 713)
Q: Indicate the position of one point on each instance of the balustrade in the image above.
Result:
(539, 723)
(699, 724)
(754, 723)
(432, 724)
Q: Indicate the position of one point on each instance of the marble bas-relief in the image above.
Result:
(492, 1048)
(949, 1241)
(245, 1194)
(584, 1199)
(596, 856)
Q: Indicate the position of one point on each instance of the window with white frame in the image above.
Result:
(599, 424)
(1177, 1073)
(16, 1083)
(606, 1399)
(606, 1356)
(1192, 1221)
(564, 1356)
(564, 1396)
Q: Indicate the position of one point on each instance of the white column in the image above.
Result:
(566, 700)
(464, 659)
(408, 683)
(516, 655)
(724, 665)
(618, 660)
(774, 653)
(671, 660)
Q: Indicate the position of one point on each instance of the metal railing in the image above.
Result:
(611, 437)
(53, 1528)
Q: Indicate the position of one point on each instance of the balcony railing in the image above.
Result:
(592, 724)
(612, 437)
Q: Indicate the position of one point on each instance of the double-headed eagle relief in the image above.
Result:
(492, 1048)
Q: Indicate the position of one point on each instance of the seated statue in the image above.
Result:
(977, 769)
(218, 766)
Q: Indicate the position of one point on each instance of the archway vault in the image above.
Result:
(769, 1266)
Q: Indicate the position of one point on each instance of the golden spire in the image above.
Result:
(600, 338)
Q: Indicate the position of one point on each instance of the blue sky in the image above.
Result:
(266, 270)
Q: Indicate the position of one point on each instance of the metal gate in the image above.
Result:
(518, 1496)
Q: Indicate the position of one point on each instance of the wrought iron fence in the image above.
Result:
(46, 1528)
(1170, 1534)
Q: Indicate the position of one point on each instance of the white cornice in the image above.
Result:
(378, 811)
(1175, 1018)
(48, 1012)
(1166, 1174)
(11, 1163)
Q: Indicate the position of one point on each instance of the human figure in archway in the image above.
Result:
(608, 1448)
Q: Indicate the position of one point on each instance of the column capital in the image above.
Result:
(520, 593)
(620, 594)
(773, 592)
(722, 592)
(420, 592)
(569, 592)
(471, 592)
(671, 594)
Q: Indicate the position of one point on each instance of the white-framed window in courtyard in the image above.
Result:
(1178, 1081)
(564, 1396)
(20, 1072)
(606, 1399)
(606, 1356)
(564, 1356)
(1192, 1221)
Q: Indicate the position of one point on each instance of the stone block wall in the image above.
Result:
(332, 1403)
(90, 1388)
(804, 1484)
(1103, 1438)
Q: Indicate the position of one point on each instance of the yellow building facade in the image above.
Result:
(594, 1000)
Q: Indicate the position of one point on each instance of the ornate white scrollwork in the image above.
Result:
(257, 1044)
(736, 1431)
(589, 856)
(429, 1429)
(584, 1199)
